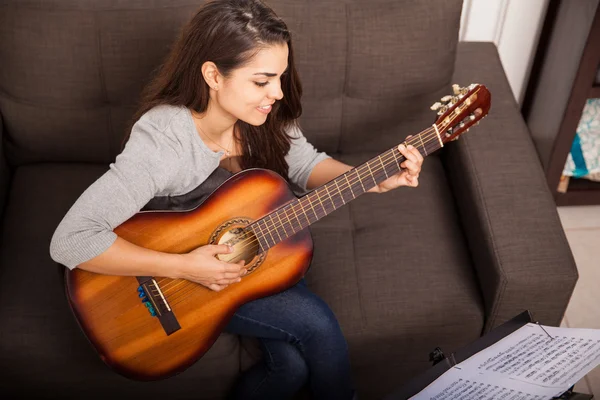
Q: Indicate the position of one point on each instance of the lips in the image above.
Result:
(265, 109)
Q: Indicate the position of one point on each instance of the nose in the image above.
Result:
(276, 92)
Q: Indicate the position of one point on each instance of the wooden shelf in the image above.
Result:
(581, 192)
(569, 46)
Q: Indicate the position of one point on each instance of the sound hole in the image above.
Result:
(245, 243)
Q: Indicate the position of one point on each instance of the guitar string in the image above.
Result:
(171, 292)
(184, 287)
(181, 294)
(168, 288)
(349, 186)
(344, 189)
(427, 134)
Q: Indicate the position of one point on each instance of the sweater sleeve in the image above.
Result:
(147, 164)
(301, 158)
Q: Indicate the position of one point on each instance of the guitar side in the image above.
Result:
(119, 325)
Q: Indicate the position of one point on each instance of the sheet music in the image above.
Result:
(528, 364)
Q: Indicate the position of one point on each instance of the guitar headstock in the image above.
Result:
(462, 110)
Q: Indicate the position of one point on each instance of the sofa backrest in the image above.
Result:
(71, 71)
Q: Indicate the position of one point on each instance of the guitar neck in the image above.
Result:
(308, 209)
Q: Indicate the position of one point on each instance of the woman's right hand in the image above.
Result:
(201, 266)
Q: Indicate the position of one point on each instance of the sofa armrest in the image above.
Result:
(4, 172)
(519, 249)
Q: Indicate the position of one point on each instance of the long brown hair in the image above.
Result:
(229, 33)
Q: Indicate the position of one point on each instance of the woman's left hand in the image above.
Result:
(409, 176)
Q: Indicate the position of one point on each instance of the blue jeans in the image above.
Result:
(302, 343)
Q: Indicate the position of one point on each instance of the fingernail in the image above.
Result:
(230, 249)
(410, 147)
(401, 147)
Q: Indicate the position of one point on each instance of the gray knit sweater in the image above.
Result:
(163, 157)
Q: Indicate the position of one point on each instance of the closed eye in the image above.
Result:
(263, 84)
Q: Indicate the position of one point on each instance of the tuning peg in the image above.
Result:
(446, 98)
(456, 89)
(436, 105)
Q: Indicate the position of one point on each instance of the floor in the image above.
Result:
(582, 227)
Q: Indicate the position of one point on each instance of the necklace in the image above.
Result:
(227, 151)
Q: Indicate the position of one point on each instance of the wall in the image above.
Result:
(514, 26)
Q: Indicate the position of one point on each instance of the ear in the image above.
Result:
(211, 75)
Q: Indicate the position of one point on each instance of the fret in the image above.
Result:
(319, 197)
(359, 180)
(264, 235)
(281, 224)
(262, 240)
(262, 246)
(268, 227)
(437, 132)
(399, 159)
(339, 191)
(304, 212)
(383, 166)
(371, 175)
(307, 214)
(316, 192)
(350, 186)
(311, 205)
(271, 226)
(392, 167)
(396, 158)
(281, 231)
(397, 162)
(293, 207)
(330, 199)
(423, 145)
(253, 228)
(291, 225)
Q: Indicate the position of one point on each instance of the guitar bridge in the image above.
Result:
(152, 297)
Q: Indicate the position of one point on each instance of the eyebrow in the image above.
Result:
(269, 74)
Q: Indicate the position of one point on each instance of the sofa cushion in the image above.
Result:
(97, 56)
(41, 345)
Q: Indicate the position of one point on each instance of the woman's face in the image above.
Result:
(249, 91)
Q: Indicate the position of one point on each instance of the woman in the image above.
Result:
(227, 96)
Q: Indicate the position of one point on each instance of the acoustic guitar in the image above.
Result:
(150, 328)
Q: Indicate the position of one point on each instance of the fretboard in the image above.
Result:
(308, 209)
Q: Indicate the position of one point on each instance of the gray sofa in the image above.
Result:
(478, 241)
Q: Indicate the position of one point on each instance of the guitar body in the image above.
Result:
(118, 323)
